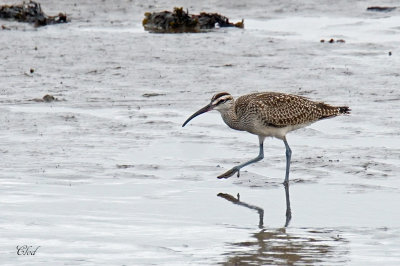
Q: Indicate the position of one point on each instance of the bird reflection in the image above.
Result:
(236, 200)
(244, 204)
(279, 246)
(288, 210)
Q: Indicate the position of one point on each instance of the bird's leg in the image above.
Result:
(237, 168)
(288, 157)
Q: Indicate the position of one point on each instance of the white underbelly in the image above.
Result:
(277, 132)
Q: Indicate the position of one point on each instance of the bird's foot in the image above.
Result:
(230, 173)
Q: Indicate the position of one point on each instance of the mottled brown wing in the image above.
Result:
(280, 110)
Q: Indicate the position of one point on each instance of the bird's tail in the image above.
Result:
(328, 111)
(344, 110)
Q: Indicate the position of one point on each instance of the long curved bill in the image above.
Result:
(206, 108)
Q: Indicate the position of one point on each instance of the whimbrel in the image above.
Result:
(268, 114)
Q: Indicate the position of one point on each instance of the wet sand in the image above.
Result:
(107, 175)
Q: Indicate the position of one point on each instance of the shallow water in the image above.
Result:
(107, 175)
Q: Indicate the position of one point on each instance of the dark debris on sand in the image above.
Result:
(179, 21)
(333, 41)
(47, 99)
(381, 8)
(31, 13)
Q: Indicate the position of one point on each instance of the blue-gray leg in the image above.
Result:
(237, 168)
(288, 210)
(288, 157)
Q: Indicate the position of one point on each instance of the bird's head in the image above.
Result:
(221, 102)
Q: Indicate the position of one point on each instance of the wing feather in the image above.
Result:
(280, 110)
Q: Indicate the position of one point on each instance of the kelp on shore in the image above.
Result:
(179, 21)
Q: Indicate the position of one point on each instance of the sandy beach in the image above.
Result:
(106, 175)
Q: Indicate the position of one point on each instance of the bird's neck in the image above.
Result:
(230, 118)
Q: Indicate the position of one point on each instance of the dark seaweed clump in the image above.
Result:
(31, 13)
(209, 20)
(180, 21)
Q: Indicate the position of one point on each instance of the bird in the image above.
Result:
(268, 114)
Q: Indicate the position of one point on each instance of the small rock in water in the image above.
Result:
(47, 98)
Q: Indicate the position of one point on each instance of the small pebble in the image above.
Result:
(48, 98)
